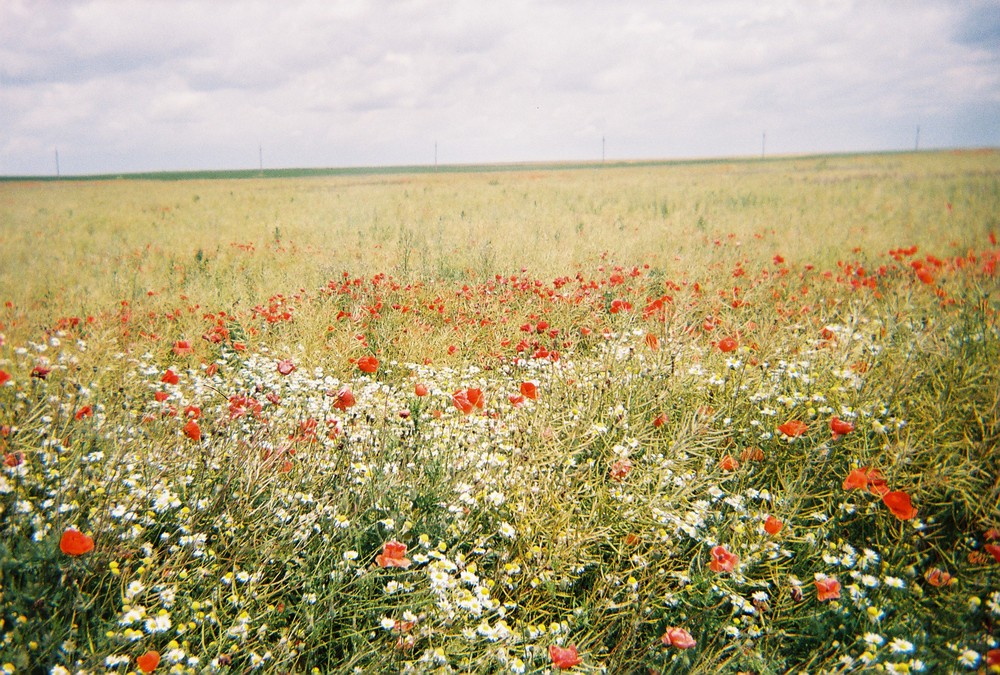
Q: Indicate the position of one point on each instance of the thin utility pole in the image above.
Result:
(916, 143)
(260, 156)
(602, 149)
(435, 153)
(763, 143)
(57, 162)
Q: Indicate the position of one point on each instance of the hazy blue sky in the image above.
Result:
(122, 86)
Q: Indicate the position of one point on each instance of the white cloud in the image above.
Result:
(198, 84)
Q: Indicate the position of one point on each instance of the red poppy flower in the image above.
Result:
(723, 560)
(620, 469)
(516, 400)
(925, 275)
(564, 658)
(161, 396)
(461, 400)
(307, 429)
(793, 428)
(475, 397)
(899, 503)
(5, 377)
(839, 427)
(652, 341)
(286, 367)
(393, 555)
(660, 420)
(368, 364)
(878, 487)
(85, 411)
(192, 430)
(192, 411)
(752, 454)
(729, 463)
(467, 399)
(773, 525)
(619, 305)
(938, 577)
(420, 389)
(149, 661)
(170, 377)
(866, 479)
(75, 543)
(727, 344)
(678, 637)
(993, 550)
(827, 589)
(529, 390)
(183, 348)
(993, 658)
(344, 399)
(40, 371)
(13, 459)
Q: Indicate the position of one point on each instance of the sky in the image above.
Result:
(118, 86)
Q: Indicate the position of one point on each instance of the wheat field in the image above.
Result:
(715, 416)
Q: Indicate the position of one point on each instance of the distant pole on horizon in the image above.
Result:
(602, 149)
(763, 143)
(916, 143)
(57, 162)
(260, 156)
(435, 153)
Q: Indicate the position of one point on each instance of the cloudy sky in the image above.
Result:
(118, 85)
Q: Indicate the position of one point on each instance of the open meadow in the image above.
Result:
(656, 418)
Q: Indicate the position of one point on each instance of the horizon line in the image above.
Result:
(472, 167)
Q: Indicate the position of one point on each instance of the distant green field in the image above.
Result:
(420, 168)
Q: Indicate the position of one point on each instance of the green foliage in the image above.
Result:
(668, 346)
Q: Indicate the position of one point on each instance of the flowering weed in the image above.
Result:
(567, 427)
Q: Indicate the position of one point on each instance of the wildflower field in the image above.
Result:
(704, 417)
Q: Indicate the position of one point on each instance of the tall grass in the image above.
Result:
(185, 385)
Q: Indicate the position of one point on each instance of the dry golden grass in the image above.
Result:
(175, 357)
(85, 244)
